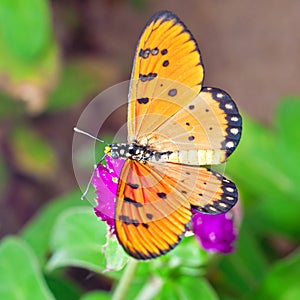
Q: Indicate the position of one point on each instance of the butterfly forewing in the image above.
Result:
(151, 216)
(167, 74)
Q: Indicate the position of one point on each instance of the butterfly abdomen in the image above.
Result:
(196, 157)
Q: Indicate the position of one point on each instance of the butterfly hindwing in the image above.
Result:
(167, 73)
(154, 204)
(205, 131)
(151, 216)
(206, 190)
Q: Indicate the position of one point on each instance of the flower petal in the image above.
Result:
(105, 181)
(216, 233)
(114, 166)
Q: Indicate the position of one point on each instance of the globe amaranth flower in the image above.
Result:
(105, 180)
(216, 233)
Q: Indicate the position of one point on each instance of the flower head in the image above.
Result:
(216, 233)
(105, 181)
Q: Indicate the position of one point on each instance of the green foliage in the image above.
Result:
(21, 276)
(79, 80)
(76, 241)
(96, 296)
(282, 280)
(32, 153)
(30, 16)
(39, 239)
(28, 52)
(265, 168)
(9, 108)
(186, 288)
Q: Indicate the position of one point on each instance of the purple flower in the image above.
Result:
(105, 181)
(216, 233)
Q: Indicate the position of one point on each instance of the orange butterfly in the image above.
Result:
(174, 127)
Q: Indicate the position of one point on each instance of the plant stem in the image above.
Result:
(124, 283)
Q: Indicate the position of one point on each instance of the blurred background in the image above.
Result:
(55, 56)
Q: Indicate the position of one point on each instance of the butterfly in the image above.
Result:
(176, 130)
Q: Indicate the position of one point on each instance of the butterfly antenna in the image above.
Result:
(89, 135)
(91, 179)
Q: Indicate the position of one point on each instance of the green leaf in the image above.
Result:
(242, 270)
(20, 276)
(288, 143)
(287, 117)
(29, 56)
(33, 17)
(265, 169)
(282, 281)
(252, 160)
(115, 256)
(38, 231)
(186, 288)
(32, 153)
(187, 258)
(77, 239)
(96, 296)
(62, 288)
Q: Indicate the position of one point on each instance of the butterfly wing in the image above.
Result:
(151, 216)
(204, 132)
(167, 73)
(154, 204)
(206, 190)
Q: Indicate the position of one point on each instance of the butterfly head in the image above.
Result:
(107, 150)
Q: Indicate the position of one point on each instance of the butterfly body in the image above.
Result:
(135, 151)
(176, 128)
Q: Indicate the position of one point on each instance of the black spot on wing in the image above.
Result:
(147, 77)
(165, 63)
(133, 185)
(128, 221)
(144, 53)
(143, 100)
(149, 216)
(154, 51)
(162, 195)
(172, 92)
(133, 202)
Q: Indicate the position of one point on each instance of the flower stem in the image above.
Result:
(124, 283)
